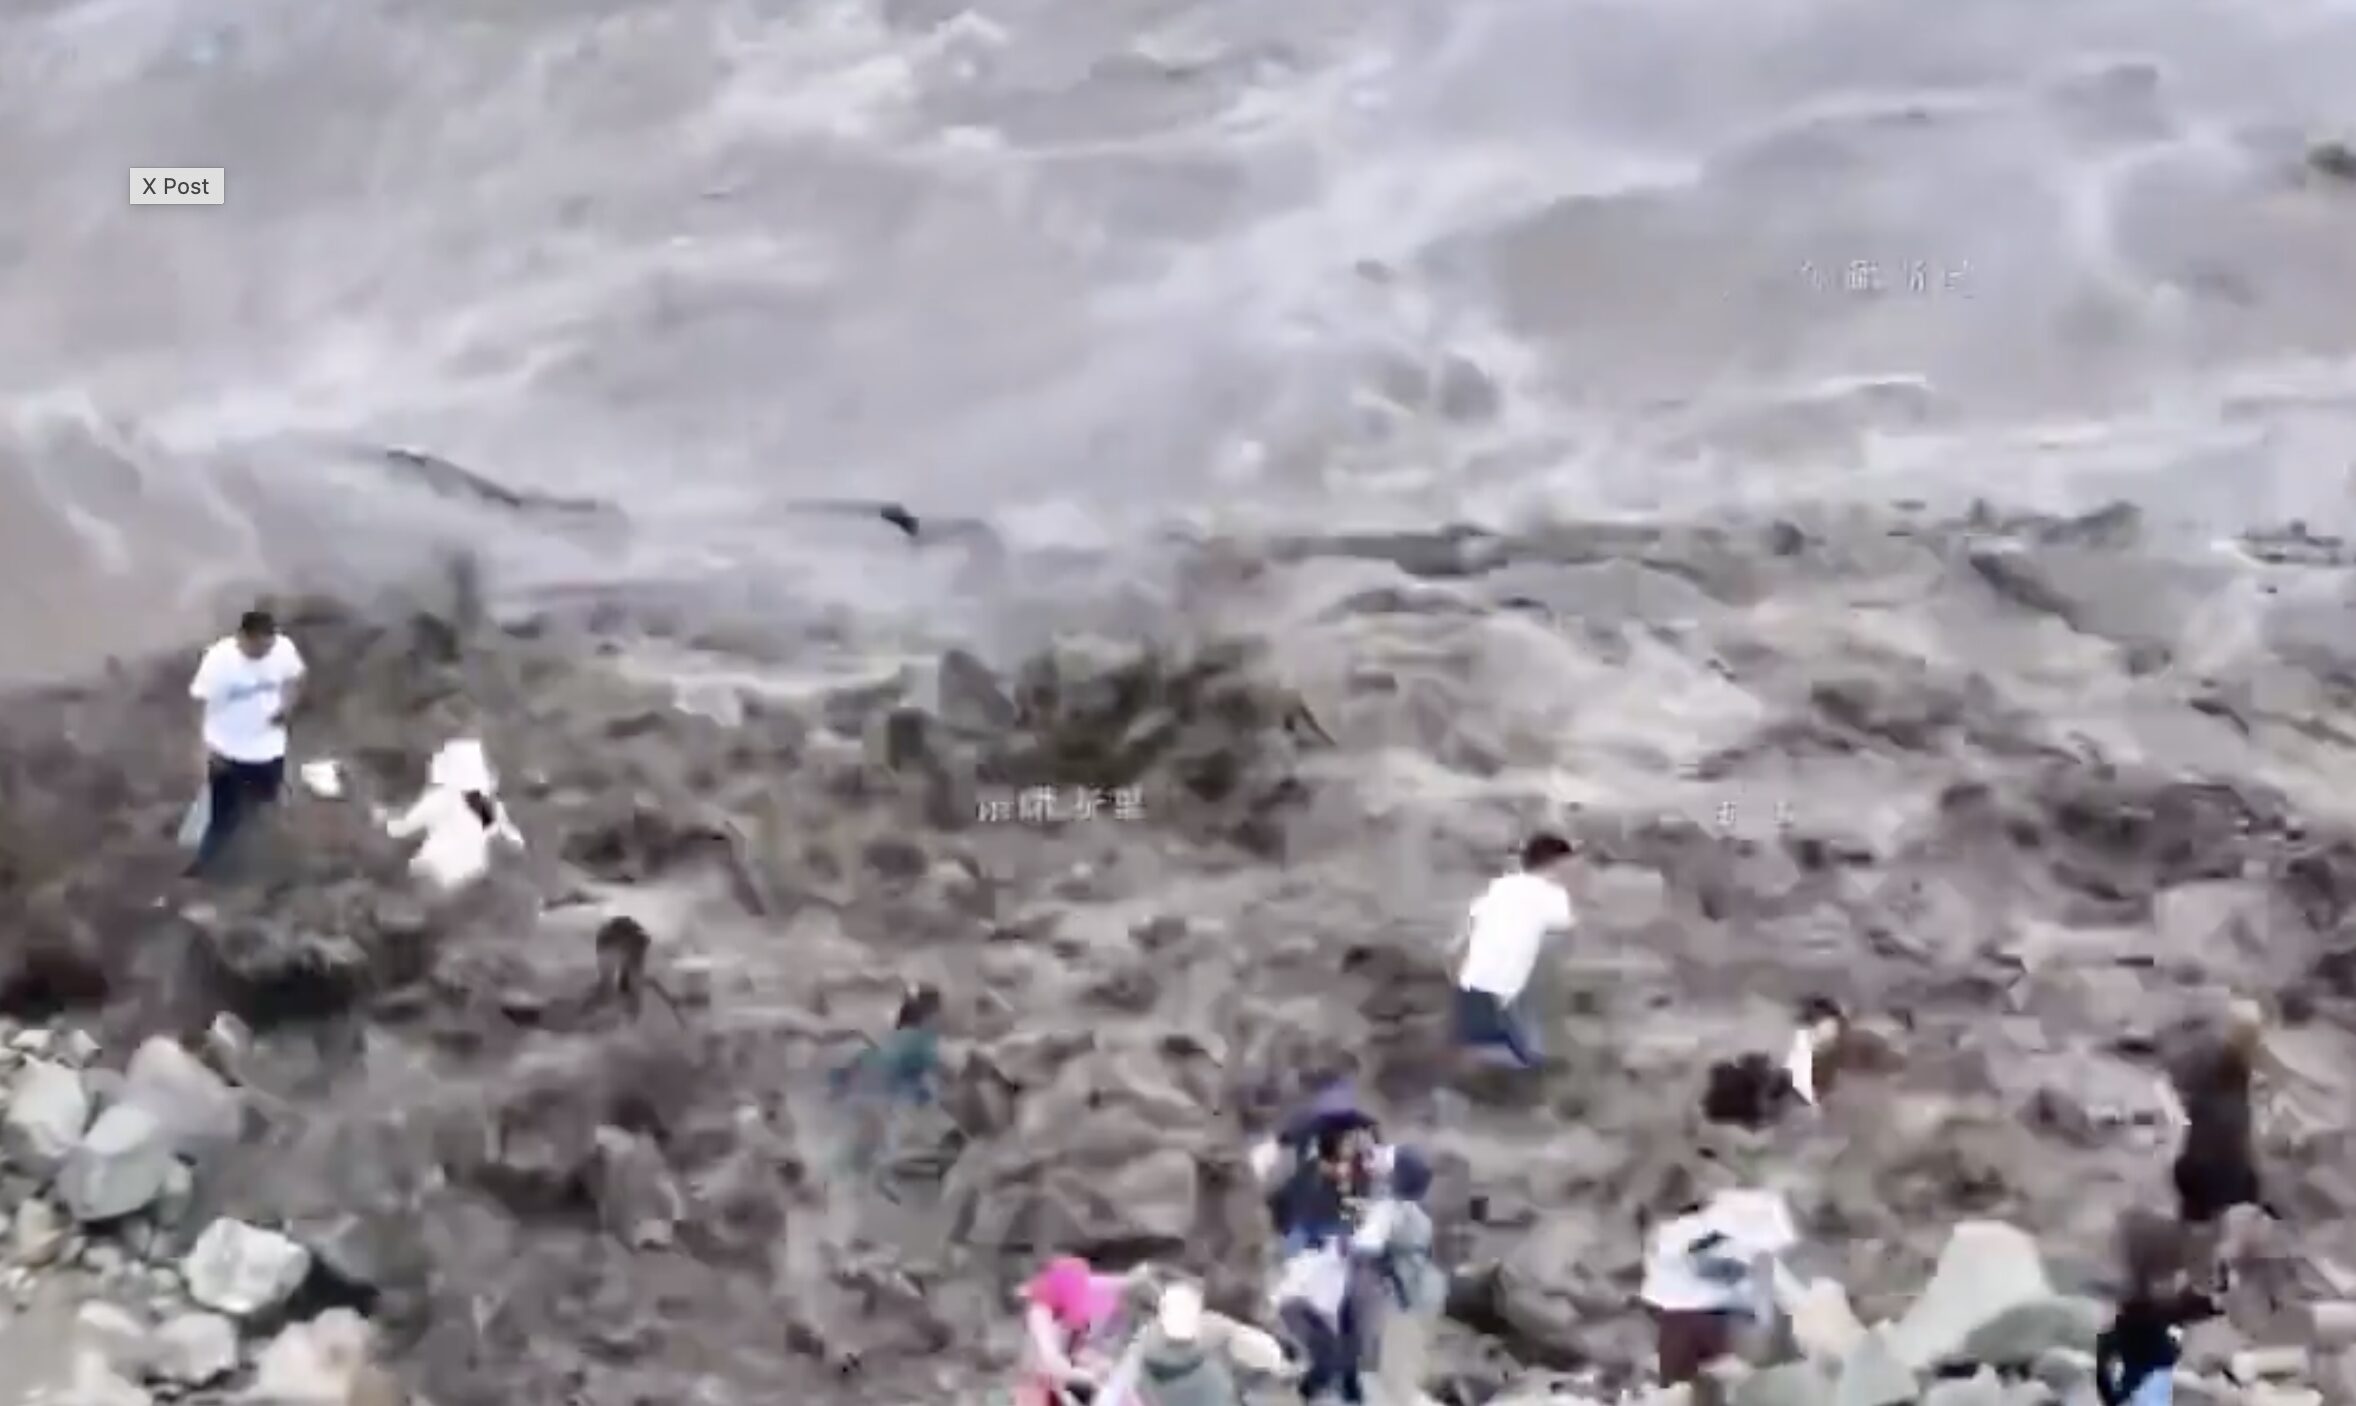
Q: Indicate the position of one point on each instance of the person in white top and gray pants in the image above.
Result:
(245, 686)
(1503, 935)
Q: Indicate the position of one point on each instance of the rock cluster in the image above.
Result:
(117, 1286)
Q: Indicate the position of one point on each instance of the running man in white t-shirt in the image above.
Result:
(1503, 935)
(245, 687)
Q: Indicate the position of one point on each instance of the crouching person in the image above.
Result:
(1190, 1356)
(1071, 1323)
(460, 817)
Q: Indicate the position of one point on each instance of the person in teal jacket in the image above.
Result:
(892, 1074)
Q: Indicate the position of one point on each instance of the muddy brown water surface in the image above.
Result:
(2028, 792)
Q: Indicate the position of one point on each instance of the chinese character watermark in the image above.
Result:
(1872, 278)
(1051, 805)
(1732, 815)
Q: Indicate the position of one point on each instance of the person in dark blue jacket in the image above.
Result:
(1329, 1182)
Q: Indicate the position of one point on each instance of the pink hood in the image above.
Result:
(1078, 1298)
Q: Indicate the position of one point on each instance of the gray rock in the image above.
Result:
(2333, 1323)
(2067, 1370)
(115, 1335)
(94, 1383)
(1983, 1388)
(191, 1101)
(1791, 1384)
(2196, 1389)
(195, 1349)
(1875, 1375)
(314, 1364)
(47, 1114)
(239, 1270)
(37, 1233)
(77, 1048)
(121, 1165)
(178, 1196)
(637, 1199)
(228, 1040)
(968, 697)
(1987, 1269)
(2259, 1364)
(2281, 1394)
(2022, 1333)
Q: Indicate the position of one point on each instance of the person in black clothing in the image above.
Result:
(1320, 1200)
(2216, 1168)
(2135, 1357)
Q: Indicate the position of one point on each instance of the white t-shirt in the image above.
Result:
(1508, 924)
(241, 695)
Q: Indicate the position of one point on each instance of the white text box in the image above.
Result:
(179, 185)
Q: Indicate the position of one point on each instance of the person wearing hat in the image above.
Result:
(460, 817)
(1322, 1197)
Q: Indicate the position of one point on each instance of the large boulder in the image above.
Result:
(197, 1109)
(1986, 1270)
(1106, 1155)
(1556, 1280)
(48, 1112)
(1874, 1374)
(243, 1271)
(121, 1165)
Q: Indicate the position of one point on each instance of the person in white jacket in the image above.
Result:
(460, 817)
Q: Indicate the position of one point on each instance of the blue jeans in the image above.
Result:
(234, 791)
(1485, 1021)
(2158, 1389)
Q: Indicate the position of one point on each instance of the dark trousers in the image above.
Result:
(1483, 1020)
(234, 792)
(1689, 1340)
(1332, 1351)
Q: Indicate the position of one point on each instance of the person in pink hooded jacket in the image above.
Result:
(1070, 1314)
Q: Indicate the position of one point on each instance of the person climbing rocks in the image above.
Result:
(1069, 1320)
(1189, 1355)
(459, 815)
(246, 686)
(1403, 1289)
(2135, 1356)
(895, 1073)
(2216, 1166)
(1502, 938)
(1755, 1090)
(1709, 1280)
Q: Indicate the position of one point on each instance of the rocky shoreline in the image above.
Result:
(2028, 790)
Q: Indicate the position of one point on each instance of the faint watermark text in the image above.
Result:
(1058, 805)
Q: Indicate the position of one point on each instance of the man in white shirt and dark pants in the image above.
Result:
(1503, 935)
(245, 686)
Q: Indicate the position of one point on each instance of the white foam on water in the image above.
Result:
(1086, 271)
